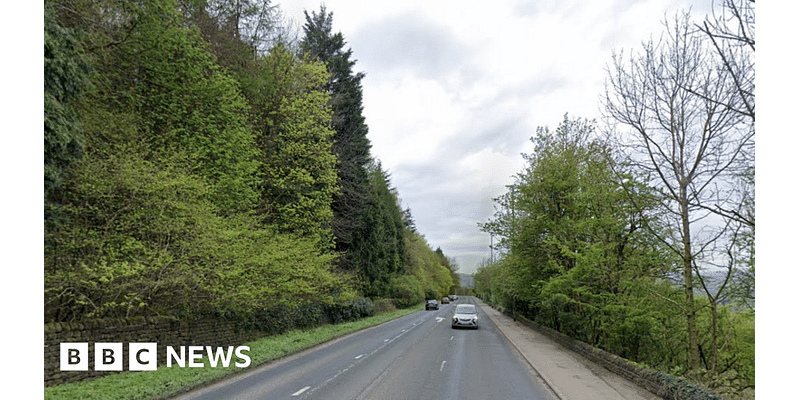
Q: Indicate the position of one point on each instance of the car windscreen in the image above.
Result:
(465, 309)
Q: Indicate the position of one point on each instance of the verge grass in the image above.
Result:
(166, 382)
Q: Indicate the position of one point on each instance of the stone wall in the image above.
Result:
(165, 331)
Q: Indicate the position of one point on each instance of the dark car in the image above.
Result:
(432, 305)
(465, 315)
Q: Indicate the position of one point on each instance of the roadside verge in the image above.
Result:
(167, 382)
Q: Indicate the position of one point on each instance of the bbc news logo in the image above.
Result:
(144, 356)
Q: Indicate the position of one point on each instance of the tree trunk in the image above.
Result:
(714, 335)
(691, 315)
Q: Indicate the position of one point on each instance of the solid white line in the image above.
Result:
(301, 391)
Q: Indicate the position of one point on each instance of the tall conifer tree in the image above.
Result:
(351, 145)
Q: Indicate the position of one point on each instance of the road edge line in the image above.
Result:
(546, 380)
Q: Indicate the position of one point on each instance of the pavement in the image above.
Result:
(570, 375)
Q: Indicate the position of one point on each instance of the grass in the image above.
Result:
(166, 382)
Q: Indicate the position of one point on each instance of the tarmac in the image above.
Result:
(570, 375)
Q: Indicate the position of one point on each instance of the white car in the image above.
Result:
(465, 315)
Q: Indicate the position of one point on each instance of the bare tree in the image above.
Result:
(732, 33)
(687, 136)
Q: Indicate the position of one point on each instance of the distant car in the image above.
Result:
(432, 305)
(465, 315)
(453, 297)
(445, 300)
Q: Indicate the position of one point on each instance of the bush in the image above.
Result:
(406, 291)
(351, 310)
(384, 306)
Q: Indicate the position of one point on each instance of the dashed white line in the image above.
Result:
(359, 356)
(442, 367)
(301, 391)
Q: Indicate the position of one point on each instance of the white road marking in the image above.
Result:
(442, 367)
(301, 391)
(439, 319)
(359, 356)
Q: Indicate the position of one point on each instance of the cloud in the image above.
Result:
(411, 44)
(455, 89)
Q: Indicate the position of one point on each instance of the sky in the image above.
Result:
(454, 90)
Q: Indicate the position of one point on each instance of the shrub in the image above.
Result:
(407, 291)
(384, 306)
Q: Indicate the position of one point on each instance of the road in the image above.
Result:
(415, 357)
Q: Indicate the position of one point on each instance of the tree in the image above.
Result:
(379, 244)
(687, 137)
(426, 266)
(408, 219)
(298, 168)
(451, 266)
(733, 35)
(159, 213)
(66, 74)
(351, 145)
(237, 30)
(185, 106)
(567, 229)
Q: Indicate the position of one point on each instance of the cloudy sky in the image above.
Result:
(454, 90)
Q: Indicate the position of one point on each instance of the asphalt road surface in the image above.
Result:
(418, 357)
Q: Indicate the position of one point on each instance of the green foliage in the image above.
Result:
(166, 382)
(298, 169)
(160, 212)
(379, 243)
(451, 266)
(154, 69)
(407, 291)
(578, 259)
(425, 264)
(427, 273)
(199, 172)
(151, 242)
(66, 74)
(350, 142)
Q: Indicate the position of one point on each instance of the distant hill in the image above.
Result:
(466, 281)
(715, 279)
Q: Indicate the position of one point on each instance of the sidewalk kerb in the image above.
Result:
(546, 380)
